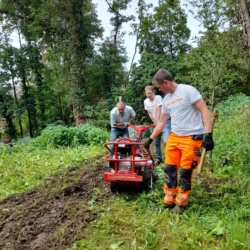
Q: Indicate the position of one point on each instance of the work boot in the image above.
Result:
(178, 209)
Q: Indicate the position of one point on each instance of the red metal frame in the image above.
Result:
(129, 175)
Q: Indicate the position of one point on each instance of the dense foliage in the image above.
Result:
(232, 146)
(71, 77)
(30, 161)
(70, 74)
(61, 136)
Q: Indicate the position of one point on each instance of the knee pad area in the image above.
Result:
(185, 179)
(171, 175)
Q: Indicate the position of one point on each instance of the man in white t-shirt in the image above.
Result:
(153, 105)
(187, 109)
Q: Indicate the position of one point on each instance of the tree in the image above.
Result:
(7, 112)
(245, 18)
(216, 66)
(115, 8)
(65, 31)
(165, 31)
(8, 56)
(219, 67)
(106, 71)
(117, 52)
(136, 27)
(142, 75)
(23, 67)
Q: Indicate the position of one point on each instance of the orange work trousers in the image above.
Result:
(183, 155)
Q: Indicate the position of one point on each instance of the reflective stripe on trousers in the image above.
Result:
(182, 197)
(175, 196)
(170, 194)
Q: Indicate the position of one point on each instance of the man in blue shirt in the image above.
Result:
(120, 118)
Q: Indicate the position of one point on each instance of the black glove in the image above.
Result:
(147, 143)
(208, 142)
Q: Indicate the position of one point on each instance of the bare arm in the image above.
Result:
(119, 124)
(202, 107)
(158, 113)
(132, 118)
(159, 126)
(113, 121)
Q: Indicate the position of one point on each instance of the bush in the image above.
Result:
(61, 136)
(231, 133)
(233, 105)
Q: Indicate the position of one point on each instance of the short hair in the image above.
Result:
(162, 75)
(149, 87)
(121, 102)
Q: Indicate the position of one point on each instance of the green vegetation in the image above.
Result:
(232, 135)
(218, 212)
(61, 136)
(69, 74)
(27, 167)
(29, 162)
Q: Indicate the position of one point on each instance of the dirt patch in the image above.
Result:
(53, 216)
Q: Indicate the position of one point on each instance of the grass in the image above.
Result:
(212, 221)
(217, 218)
(22, 168)
(218, 214)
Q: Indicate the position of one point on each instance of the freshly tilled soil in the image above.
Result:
(54, 215)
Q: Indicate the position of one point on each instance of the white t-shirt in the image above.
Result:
(152, 106)
(116, 117)
(185, 118)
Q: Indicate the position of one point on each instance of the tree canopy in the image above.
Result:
(70, 74)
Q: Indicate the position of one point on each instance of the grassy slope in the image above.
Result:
(217, 217)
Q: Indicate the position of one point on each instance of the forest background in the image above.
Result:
(70, 75)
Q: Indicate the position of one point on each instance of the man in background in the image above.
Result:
(153, 105)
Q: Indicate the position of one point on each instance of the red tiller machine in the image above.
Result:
(131, 164)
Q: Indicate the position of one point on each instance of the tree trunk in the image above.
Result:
(245, 20)
(15, 96)
(25, 90)
(78, 48)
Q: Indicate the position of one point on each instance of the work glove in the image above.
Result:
(147, 143)
(208, 142)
